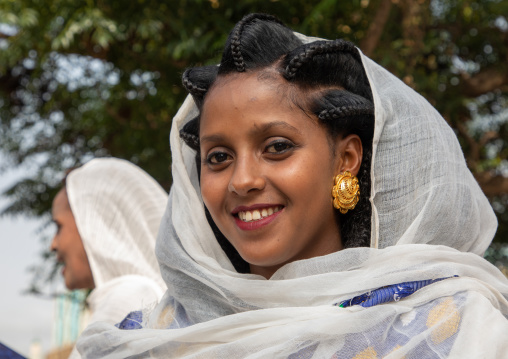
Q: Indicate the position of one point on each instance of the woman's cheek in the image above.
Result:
(212, 189)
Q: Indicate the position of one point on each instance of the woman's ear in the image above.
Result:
(350, 152)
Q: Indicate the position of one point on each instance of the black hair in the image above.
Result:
(330, 84)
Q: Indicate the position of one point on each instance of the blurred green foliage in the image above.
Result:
(87, 78)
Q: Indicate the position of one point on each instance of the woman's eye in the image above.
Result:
(58, 226)
(217, 157)
(279, 147)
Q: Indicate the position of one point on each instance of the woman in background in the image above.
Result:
(320, 208)
(107, 216)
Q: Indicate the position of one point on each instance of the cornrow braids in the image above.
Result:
(191, 87)
(244, 37)
(190, 134)
(316, 64)
(236, 37)
(197, 81)
(345, 111)
(336, 104)
(256, 41)
(341, 111)
(317, 48)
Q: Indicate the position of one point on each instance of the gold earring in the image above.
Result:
(345, 192)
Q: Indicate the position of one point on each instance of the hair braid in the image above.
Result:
(197, 80)
(191, 140)
(190, 134)
(318, 48)
(193, 89)
(236, 36)
(339, 112)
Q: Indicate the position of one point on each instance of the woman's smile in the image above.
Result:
(266, 174)
(255, 217)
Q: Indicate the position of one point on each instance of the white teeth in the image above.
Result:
(255, 215)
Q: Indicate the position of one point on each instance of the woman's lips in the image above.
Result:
(61, 262)
(257, 216)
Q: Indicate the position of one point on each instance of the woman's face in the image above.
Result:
(266, 174)
(68, 246)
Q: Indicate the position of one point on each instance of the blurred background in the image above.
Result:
(87, 78)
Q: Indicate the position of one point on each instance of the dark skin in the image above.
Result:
(267, 174)
(69, 247)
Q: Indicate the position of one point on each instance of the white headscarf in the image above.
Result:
(118, 208)
(430, 220)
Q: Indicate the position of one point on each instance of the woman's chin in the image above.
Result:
(263, 263)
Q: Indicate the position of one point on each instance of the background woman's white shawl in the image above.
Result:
(118, 208)
(430, 220)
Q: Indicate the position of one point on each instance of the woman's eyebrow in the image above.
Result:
(212, 138)
(266, 127)
(258, 129)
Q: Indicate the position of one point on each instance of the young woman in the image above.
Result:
(107, 216)
(320, 208)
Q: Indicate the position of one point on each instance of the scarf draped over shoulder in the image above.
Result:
(430, 221)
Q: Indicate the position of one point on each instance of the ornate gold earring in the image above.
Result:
(345, 192)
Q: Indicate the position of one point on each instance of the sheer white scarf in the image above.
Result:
(118, 208)
(430, 220)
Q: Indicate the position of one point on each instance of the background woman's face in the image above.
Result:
(68, 246)
(266, 174)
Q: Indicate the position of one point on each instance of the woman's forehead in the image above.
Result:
(249, 107)
(61, 202)
(245, 90)
(266, 76)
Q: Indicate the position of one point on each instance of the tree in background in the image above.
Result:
(87, 78)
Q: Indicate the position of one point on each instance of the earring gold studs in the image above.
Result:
(345, 192)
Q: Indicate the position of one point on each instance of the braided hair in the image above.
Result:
(326, 80)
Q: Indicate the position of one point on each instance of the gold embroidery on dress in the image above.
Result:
(368, 353)
(165, 318)
(445, 318)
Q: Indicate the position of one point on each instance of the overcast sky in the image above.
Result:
(24, 318)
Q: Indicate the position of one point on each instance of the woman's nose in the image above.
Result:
(247, 177)
(53, 246)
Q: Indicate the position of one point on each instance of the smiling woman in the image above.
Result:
(261, 155)
(280, 124)
(320, 209)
